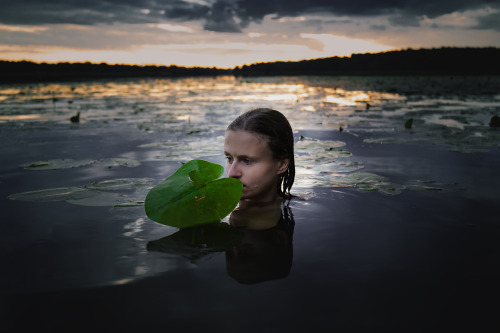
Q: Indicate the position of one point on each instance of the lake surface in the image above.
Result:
(394, 228)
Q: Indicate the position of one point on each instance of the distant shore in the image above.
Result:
(440, 61)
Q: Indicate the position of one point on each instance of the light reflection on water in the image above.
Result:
(192, 114)
(311, 104)
(140, 101)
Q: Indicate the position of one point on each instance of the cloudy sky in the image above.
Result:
(228, 33)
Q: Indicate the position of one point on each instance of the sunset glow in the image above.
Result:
(208, 33)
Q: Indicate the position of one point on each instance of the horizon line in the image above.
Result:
(238, 66)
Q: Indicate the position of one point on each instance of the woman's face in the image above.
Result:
(250, 160)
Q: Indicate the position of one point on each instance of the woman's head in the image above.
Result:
(266, 136)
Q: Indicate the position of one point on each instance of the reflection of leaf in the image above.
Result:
(198, 241)
(193, 196)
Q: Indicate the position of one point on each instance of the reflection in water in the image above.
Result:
(266, 249)
(258, 243)
(197, 243)
(191, 114)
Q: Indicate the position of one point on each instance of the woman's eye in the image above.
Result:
(247, 161)
(229, 159)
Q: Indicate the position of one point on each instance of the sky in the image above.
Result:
(229, 33)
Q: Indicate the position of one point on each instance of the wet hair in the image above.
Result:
(273, 126)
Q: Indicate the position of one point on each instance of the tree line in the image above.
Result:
(442, 61)
(439, 61)
(28, 71)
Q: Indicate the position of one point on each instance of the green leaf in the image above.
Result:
(193, 195)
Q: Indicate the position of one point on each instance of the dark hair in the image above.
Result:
(273, 126)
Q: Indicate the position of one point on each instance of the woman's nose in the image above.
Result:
(233, 171)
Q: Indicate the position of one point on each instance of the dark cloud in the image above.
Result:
(226, 15)
(405, 20)
(491, 21)
(181, 10)
(89, 12)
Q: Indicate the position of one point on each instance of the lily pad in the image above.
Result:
(67, 163)
(101, 199)
(193, 196)
(53, 194)
(120, 184)
(56, 164)
(318, 145)
(466, 150)
(116, 162)
(91, 194)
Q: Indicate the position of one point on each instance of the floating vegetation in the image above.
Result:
(318, 145)
(164, 145)
(92, 194)
(53, 194)
(117, 162)
(365, 181)
(365, 104)
(319, 165)
(188, 150)
(408, 123)
(189, 111)
(362, 181)
(386, 140)
(119, 184)
(466, 150)
(429, 185)
(341, 166)
(58, 164)
(101, 199)
(318, 152)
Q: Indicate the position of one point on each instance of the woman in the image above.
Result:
(259, 149)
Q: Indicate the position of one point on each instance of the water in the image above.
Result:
(395, 228)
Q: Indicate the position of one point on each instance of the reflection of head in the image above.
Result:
(273, 126)
(263, 254)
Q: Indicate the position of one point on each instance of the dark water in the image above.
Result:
(396, 229)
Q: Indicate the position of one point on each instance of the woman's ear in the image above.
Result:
(282, 166)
